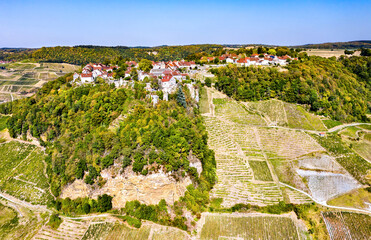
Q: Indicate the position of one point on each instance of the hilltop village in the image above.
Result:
(165, 76)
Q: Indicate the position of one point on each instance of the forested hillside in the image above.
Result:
(328, 86)
(339, 45)
(74, 125)
(86, 54)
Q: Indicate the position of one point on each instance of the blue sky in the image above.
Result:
(40, 23)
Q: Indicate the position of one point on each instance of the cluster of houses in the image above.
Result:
(91, 71)
(254, 59)
(169, 74)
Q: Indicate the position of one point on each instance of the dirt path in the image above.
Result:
(24, 203)
(334, 129)
(8, 138)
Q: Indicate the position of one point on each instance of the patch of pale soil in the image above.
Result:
(326, 185)
(5, 134)
(321, 162)
(129, 186)
(40, 83)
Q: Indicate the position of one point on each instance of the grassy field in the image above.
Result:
(359, 139)
(21, 66)
(259, 227)
(364, 126)
(359, 198)
(344, 225)
(350, 132)
(261, 170)
(328, 52)
(297, 117)
(22, 172)
(331, 123)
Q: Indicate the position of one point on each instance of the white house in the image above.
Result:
(230, 60)
(75, 76)
(168, 84)
(87, 77)
(159, 65)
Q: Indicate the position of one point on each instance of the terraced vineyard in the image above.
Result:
(244, 227)
(349, 226)
(245, 149)
(68, 230)
(276, 112)
(122, 231)
(22, 172)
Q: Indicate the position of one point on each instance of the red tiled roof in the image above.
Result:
(166, 78)
(86, 74)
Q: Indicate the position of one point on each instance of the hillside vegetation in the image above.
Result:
(339, 45)
(325, 85)
(73, 124)
(85, 54)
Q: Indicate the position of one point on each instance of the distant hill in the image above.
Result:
(339, 45)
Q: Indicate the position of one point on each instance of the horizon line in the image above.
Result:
(192, 44)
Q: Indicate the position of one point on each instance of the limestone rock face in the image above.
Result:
(129, 186)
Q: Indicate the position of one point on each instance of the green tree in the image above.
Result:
(272, 52)
(104, 203)
(145, 65)
(134, 74)
(208, 82)
(181, 97)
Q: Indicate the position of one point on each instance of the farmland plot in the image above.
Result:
(248, 227)
(150, 231)
(234, 147)
(344, 225)
(287, 144)
(68, 230)
(21, 80)
(22, 172)
(98, 231)
(234, 112)
(280, 113)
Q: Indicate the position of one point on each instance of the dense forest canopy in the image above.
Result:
(85, 54)
(339, 45)
(74, 125)
(336, 88)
